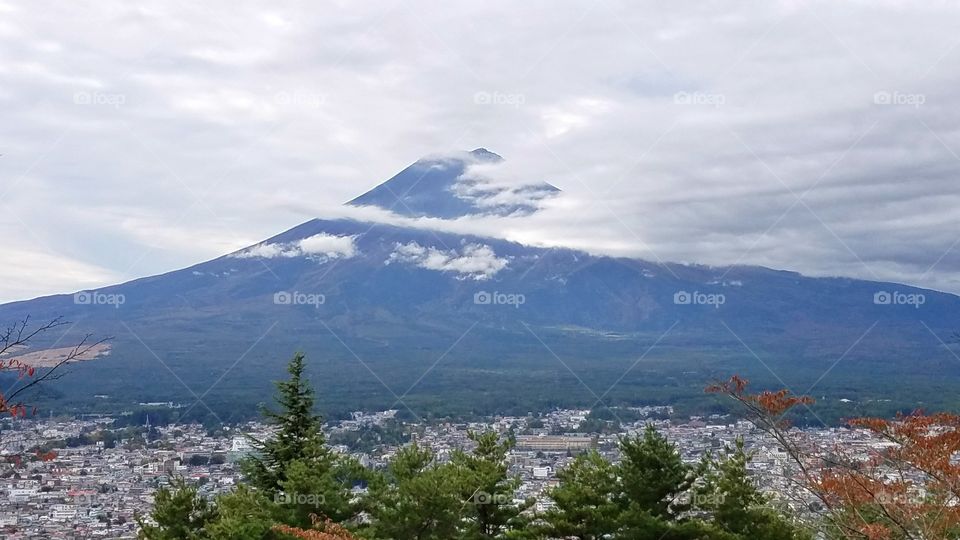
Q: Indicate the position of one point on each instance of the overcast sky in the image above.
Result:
(820, 137)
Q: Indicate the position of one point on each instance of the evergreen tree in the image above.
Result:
(730, 498)
(244, 514)
(586, 508)
(295, 468)
(726, 491)
(652, 475)
(416, 499)
(298, 437)
(486, 490)
(179, 513)
(644, 526)
(321, 488)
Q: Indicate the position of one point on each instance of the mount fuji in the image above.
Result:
(443, 187)
(436, 323)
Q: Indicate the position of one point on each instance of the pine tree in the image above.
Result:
(244, 514)
(486, 490)
(652, 476)
(586, 508)
(294, 467)
(298, 437)
(644, 526)
(417, 499)
(179, 513)
(727, 492)
(730, 498)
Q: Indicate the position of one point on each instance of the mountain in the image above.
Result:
(438, 323)
(444, 187)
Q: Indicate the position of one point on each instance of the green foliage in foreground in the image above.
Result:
(649, 494)
(178, 514)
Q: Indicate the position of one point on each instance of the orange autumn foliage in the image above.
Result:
(772, 403)
(913, 484)
(907, 486)
(323, 530)
(23, 370)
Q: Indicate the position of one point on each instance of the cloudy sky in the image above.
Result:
(141, 137)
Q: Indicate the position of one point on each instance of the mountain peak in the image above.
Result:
(485, 155)
(443, 186)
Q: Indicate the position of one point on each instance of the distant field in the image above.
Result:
(52, 357)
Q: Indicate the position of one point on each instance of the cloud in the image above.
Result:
(268, 251)
(47, 273)
(777, 151)
(475, 261)
(321, 246)
(329, 245)
(488, 187)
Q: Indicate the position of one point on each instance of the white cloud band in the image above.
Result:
(474, 261)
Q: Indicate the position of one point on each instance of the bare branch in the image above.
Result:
(19, 335)
(77, 352)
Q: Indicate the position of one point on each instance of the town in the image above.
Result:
(86, 478)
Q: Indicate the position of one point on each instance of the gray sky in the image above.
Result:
(820, 137)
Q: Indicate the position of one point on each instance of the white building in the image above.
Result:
(63, 512)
